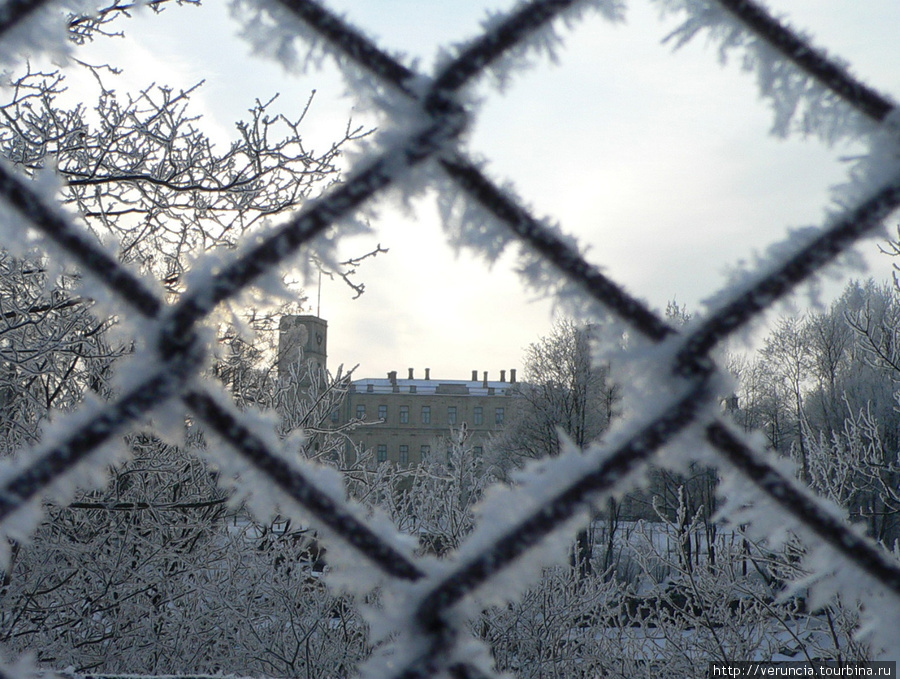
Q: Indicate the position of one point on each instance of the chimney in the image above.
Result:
(485, 380)
(503, 376)
(411, 374)
(427, 374)
(512, 375)
(474, 375)
(392, 376)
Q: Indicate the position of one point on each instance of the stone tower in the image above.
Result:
(302, 338)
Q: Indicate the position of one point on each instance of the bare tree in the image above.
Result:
(140, 172)
(138, 168)
(668, 618)
(823, 389)
(787, 355)
(161, 572)
(115, 580)
(436, 500)
(563, 393)
(52, 349)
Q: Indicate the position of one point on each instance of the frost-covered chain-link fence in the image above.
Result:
(425, 606)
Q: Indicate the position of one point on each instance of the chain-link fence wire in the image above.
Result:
(429, 620)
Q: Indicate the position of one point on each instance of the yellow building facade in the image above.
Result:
(403, 420)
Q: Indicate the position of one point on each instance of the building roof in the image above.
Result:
(384, 385)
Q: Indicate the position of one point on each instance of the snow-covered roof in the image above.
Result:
(384, 385)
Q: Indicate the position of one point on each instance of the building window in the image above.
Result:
(426, 414)
(404, 455)
(335, 415)
(498, 416)
(361, 411)
(478, 415)
(425, 451)
(404, 414)
(382, 413)
(478, 450)
(451, 414)
(382, 452)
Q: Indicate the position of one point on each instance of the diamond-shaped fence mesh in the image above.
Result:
(431, 603)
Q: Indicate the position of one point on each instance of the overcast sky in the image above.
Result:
(661, 162)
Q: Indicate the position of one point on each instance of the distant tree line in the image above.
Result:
(823, 389)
